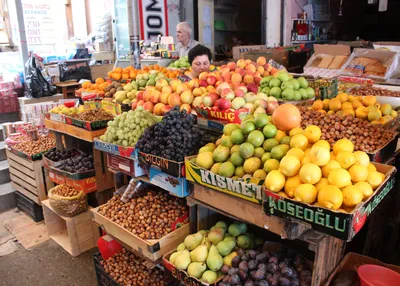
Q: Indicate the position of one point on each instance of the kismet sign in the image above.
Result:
(153, 18)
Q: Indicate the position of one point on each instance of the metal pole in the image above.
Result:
(22, 34)
(133, 18)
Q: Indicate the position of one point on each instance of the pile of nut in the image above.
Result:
(41, 145)
(66, 191)
(128, 270)
(149, 216)
(94, 115)
(365, 136)
(369, 90)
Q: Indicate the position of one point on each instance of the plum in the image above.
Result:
(240, 252)
(272, 280)
(304, 274)
(243, 275)
(234, 280)
(226, 279)
(245, 257)
(223, 284)
(261, 258)
(252, 254)
(235, 261)
(272, 268)
(260, 274)
(262, 266)
(225, 269)
(288, 272)
(296, 282)
(233, 270)
(249, 283)
(244, 266)
(252, 274)
(252, 264)
(283, 281)
(273, 259)
(263, 283)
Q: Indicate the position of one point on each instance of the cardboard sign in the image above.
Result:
(153, 18)
(226, 116)
(173, 168)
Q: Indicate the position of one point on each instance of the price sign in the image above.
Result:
(33, 32)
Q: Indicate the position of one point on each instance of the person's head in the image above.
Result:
(183, 32)
(199, 59)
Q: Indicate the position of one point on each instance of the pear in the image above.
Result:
(216, 235)
(214, 259)
(230, 238)
(182, 261)
(193, 240)
(199, 254)
(181, 247)
(236, 229)
(225, 247)
(174, 256)
(244, 241)
(209, 277)
(196, 269)
(228, 258)
(203, 232)
(222, 224)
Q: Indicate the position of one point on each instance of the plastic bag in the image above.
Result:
(36, 85)
(134, 189)
(68, 206)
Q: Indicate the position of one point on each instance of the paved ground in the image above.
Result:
(44, 265)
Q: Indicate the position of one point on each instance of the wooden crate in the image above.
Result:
(153, 249)
(75, 234)
(29, 177)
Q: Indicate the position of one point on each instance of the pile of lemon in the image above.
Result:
(311, 173)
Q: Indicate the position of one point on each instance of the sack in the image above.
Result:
(36, 85)
(68, 206)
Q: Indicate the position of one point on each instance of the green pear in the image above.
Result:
(182, 261)
(227, 234)
(214, 259)
(228, 258)
(230, 238)
(236, 229)
(244, 241)
(225, 247)
(174, 256)
(199, 254)
(209, 277)
(181, 247)
(193, 240)
(216, 235)
(203, 232)
(196, 269)
(222, 224)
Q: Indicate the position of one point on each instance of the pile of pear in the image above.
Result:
(203, 254)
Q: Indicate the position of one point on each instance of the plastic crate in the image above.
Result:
(29, 207)
(102, 276)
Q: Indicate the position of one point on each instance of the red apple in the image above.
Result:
(203, 83)
(140, 95)
(214, 96)
(208, 100)
(228, 93)
(211, 80)
(239, 92)
(224, 104)
(271, 106)
(252, 87)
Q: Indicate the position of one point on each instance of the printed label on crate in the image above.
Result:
(211, 124)
(115, 149)
(177, 186)
(250, 189)
(91, 126)
(125, 165)
(87, 185)
(231, 116)
(56, 117)
(111, 107)
(172, 168)
(338, 224)
(180, 221)
(56, 178)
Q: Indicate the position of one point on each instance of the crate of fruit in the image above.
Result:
(54, 157)
(33, 150)
(93, 119)
(170, 167)
(128, 152)
(132, 228)
(228, 115)
(76, 168)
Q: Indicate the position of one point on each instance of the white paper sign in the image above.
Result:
(153, 18)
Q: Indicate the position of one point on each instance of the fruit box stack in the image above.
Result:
(36, 112)
(339, 224)
(8, 98)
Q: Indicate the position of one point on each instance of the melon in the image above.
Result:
(286, 117)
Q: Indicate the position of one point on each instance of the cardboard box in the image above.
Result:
(87, 185)
(125, 165)
(249, 190)
(177, 186)
(339, 224)
(387, 46)
(239, 50)
(280, 56)
(127, 152)
(91, 126)
(228, 116)
(212, 125)
(173, 168)
(100, 70)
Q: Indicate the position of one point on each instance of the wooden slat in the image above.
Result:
(21, 168)
(25, 192)
(22, 161)
(24, 184)
(22, 176)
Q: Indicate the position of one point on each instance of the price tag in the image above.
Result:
(124, 167)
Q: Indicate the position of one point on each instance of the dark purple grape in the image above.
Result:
(260, 274)
(233, 270)
(223, 284)
(243, 275)
(283, 281)
(244, 266)
(273, 259)
(234, 280)
(249, 283)
(263, 283)
(262, 257)
(272, 280)
(225, 269)
(252, 264)
(252, 274)
(262, 266)
(272, 268)
(226, 279)
(245, 257)
(281, 266)
(296, 282)
(240, 252)
(235, 261)
(252, 254)
(289, 272)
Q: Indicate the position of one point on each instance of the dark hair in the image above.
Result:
(198, 50)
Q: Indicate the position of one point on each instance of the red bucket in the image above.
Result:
(374, 275)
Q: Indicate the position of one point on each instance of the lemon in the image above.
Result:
(343, 145)
(289, 165)
(305, 193)
(279, 135)
(313, 133)
(310, 173)
(339, 178)
(271, 164)
(299, 141)
(375, 179)
(260, 174)
(291, 184)
(306, 160)
(362, 158)
(275, 181)
(322, 183)
(330, 197)
(319, 155)
(352, 196)
(328, 168)
(346, 159)
(282, 194)
(297, 152)
(371, 167)
(214, 169)
(322, 143)
(358, 173)
(307, 151)
(365, 188)
(205, 160)
(295, 131)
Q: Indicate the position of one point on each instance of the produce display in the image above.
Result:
(175, 137)
(41, 145)
(127, 269)
(57, 155)
(252, 149)
(111, 90)
(66, 191)
(62, 109)
(127, 128)
(362, 107)
(132, 73)
(92, 115)
(183, 62)
(78, 164)
(67, 200)
(267, 268)
(98, 87)
(365, 136)
(312, 174)
(284, 87)
(375, 91)
(203, 254)
(151, 214)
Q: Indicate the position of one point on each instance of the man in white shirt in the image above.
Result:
(185, 43)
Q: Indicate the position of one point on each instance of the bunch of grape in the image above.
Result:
(126, 129)
(175, 137)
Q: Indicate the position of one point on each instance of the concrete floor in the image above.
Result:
(46, 264)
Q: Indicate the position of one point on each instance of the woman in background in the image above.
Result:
(200, 61)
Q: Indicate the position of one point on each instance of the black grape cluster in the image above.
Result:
(175, 137)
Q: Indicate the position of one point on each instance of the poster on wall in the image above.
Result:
(153, 19)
